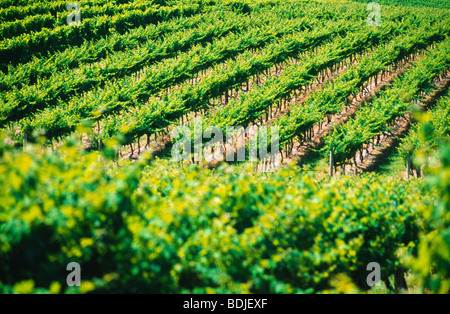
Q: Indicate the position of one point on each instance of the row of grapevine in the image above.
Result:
(36, 22)
(22, 48)
(159, 114)
(442, 4)
(16, 13)
(11, 8)
(32, 23)
(128, 92)
(295, 78)
(18, 104)
(329, 100)
(335, 96)
(90, 52)
(374, 119)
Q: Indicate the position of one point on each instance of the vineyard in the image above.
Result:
(343, 110)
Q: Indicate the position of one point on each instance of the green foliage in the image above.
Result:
(443, 4)
(160, 113)
(124, 17)
(117, 96)
(432, 261)
(336, 94)
(165, 229)
(247, 110)
(157, 226)
(377, 116)
(20, 103)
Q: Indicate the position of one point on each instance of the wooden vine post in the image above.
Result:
(331, 163)
(408, 167)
